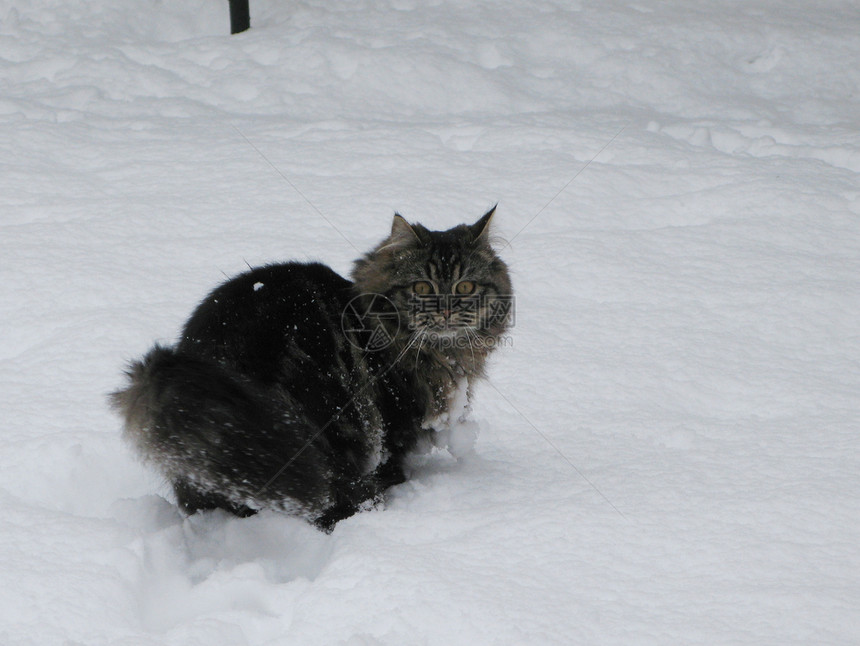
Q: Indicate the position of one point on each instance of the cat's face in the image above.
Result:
(443, 284)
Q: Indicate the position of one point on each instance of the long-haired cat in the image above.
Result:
(295, 389)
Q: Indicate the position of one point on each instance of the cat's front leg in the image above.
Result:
(362, 494)
(390, 474)
(452, 430)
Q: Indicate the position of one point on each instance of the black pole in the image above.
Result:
(240, 16)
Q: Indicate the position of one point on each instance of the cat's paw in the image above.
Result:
(458, 438)
(462, 437)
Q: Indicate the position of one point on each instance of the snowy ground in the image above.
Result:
(669, 452)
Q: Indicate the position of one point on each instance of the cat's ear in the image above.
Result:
(400, 228)
(481, 228)
(402, 234)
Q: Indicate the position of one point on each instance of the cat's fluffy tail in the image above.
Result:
(219, 440)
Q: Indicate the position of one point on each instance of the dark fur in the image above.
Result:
(265, 402)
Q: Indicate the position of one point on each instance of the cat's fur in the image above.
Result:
(273, 398)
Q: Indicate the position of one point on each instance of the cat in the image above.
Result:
(292, 388)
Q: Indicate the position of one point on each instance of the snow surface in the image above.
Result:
(668, 451)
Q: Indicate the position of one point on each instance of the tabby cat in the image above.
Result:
(294, 389)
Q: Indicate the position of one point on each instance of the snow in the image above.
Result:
(668, 450)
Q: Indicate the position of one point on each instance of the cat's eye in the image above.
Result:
(464, 287)
(423, 288)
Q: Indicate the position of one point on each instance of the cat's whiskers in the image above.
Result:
(420, 344)
(470, 334)
(412, 339)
